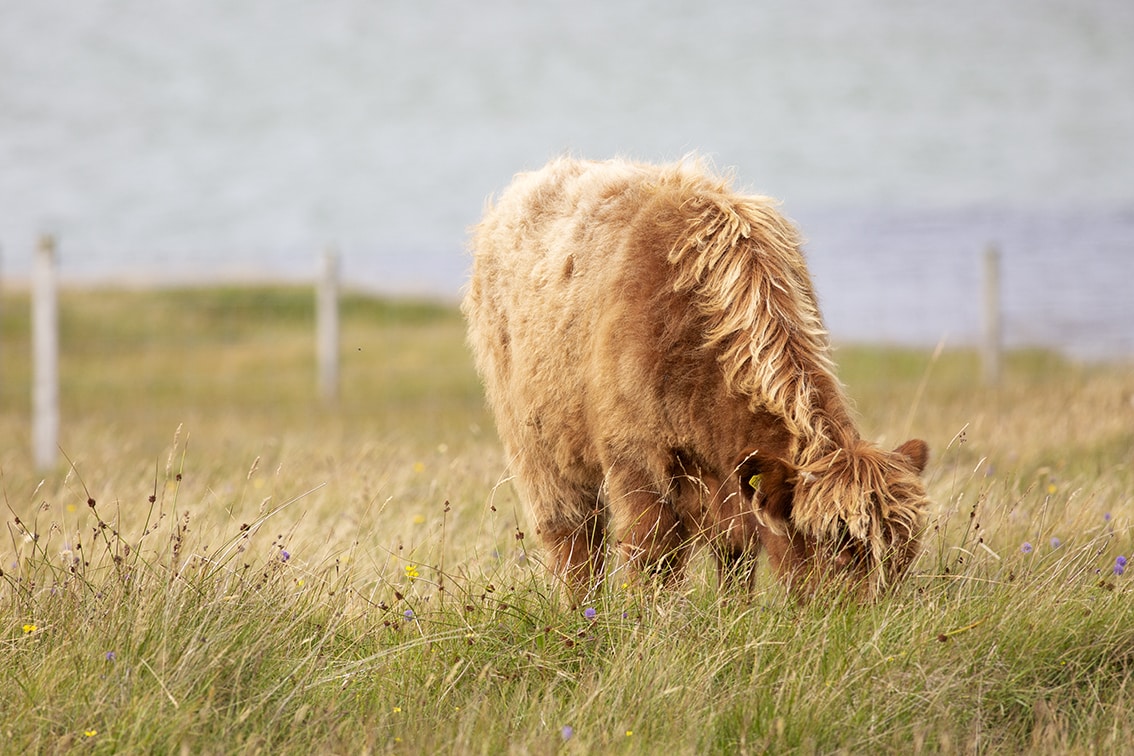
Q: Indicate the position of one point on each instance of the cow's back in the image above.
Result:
(549, 290)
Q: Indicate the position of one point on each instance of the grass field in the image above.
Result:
(221, 564)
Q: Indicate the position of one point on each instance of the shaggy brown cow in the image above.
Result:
(653, 352)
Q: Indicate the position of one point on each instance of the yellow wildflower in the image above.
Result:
(29, 628)
(411, 571)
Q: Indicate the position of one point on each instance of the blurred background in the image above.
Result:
(174, 142)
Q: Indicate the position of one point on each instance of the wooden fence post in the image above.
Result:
(45, 356)
(992, 346)
(1, 304)
(327, 326)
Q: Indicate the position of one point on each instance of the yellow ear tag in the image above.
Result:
(754, 481)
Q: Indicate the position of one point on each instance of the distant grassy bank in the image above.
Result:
(228, 565)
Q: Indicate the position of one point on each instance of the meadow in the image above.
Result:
(221, 563)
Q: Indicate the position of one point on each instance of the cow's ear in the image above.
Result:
(917, 452)
(764, 482)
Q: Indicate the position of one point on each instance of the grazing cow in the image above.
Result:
(657, 364)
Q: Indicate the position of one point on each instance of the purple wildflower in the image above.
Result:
(1106, 517)
(284, 555)
(1055, 542)
(590, 613)
(110, 656)
(1026, 548)
(1119, 565)
(409, 614)
(567, 732)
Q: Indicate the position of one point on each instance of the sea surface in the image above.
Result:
(167, 141)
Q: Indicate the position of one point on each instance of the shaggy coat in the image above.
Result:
(657, 365)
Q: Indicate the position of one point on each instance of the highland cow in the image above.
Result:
(657, 365)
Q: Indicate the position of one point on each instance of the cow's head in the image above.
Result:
(855, 515)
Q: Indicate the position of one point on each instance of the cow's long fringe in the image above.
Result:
(857, 488)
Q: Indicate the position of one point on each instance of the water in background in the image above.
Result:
(172, 141)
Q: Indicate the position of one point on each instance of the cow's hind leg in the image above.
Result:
(570, 521)
(576, 552)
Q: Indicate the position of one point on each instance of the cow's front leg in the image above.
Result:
(654, 539)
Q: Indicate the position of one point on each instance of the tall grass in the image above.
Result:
(223, 564)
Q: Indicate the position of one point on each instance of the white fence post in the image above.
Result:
(327, 326)
(992, 346)
(45, 356)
